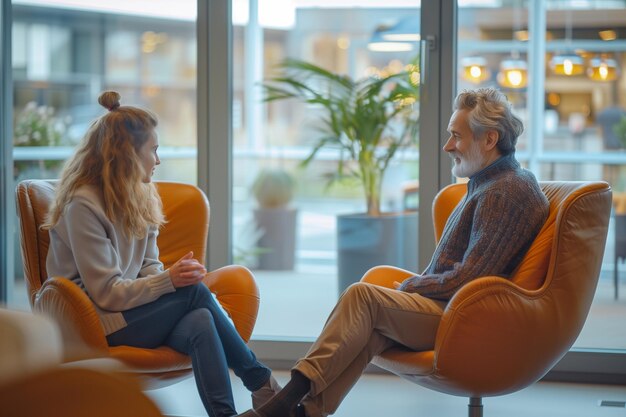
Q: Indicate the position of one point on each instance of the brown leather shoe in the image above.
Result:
(267, 391)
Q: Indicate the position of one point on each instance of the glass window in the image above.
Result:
(63, 57)
(582, 113)
(307, 237)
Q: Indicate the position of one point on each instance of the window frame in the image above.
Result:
(214, 31)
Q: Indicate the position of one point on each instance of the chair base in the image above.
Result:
(475, 407)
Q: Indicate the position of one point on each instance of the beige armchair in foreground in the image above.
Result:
(500, 335)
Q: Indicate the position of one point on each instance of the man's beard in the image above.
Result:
(471, 162)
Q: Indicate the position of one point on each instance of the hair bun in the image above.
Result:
(110, 100)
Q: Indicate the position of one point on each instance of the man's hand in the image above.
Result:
(408, 285)
(186, 271)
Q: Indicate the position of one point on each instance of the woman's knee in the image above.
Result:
(199, 295)
(197, 321)
(191, 329)
(190, 290)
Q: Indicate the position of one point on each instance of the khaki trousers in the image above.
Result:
(367, 320)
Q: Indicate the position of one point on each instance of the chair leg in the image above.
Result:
(475, 407)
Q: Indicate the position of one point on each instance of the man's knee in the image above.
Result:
(359, 291)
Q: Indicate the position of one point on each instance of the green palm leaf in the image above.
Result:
(368, 120)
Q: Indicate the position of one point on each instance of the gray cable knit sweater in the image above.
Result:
(488, 233)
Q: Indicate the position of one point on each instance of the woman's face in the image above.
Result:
(148, 156)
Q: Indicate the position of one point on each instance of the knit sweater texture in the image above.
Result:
(489, 231)
(117, 272)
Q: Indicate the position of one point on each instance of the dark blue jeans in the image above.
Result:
(190, 321)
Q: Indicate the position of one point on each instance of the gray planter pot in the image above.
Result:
(278, 240)
(364, 242)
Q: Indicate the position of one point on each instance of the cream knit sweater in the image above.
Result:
(117, 272)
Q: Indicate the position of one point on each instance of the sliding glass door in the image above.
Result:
(302, 225)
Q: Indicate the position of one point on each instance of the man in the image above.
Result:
(488, 233)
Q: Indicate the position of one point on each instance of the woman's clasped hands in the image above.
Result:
(187, 271)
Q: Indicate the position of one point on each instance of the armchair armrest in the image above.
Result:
(492, 329)
(386, 275)
(62, 300)
(236, 290)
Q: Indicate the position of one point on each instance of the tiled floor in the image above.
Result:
(378, 395)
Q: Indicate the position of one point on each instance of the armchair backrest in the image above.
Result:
(561, 195)
(185, 206)
(512, 332)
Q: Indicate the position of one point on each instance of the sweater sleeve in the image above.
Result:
(98, 263)
(151, 263)
(494, 241)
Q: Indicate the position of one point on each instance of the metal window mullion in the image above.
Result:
(536, 90)
(438, 23)
(7, 196)
(214, 32)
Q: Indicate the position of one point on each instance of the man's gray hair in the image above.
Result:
(489, 109)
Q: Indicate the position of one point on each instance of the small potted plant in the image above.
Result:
(38, 126)
(367, 121)
(273, 190)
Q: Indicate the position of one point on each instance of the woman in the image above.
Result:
(103, 228)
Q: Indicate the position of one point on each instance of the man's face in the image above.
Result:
(467, 152)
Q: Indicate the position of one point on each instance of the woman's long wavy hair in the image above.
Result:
(107, 158)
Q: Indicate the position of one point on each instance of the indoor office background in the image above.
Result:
(562, 64)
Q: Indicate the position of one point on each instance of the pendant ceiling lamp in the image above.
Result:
(401, 37)
(513, 73)
(406, 30)
(567, 65)
(475, 69)
(602, 69)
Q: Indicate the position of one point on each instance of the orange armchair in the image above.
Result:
(30, 356)
(499, 335)
(187, 212)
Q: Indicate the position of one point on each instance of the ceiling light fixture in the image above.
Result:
(567, 64)
(602, 69)
(607, 35)
(401, 37)
(406, 30)
(513, 73)
(475, 69)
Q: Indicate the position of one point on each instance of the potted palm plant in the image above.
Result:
(367, 121)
